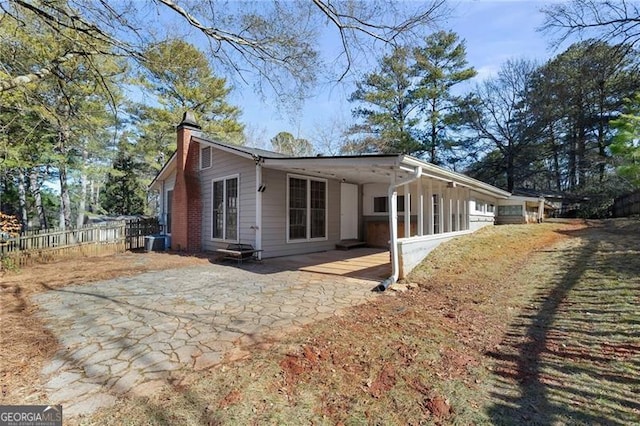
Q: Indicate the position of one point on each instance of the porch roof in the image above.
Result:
(378, 168)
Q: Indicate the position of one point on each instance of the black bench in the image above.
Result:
(239, 252)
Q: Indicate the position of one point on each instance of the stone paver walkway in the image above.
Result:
(129, 335)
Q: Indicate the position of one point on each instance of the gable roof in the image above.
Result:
(366, 168)
(243, 151)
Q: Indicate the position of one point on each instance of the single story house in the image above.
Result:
(213, 194)
(519, 209)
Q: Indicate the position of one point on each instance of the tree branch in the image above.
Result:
(12, 83)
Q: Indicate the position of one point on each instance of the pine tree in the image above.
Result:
(626, 143)
(440, 65)
(123, 193)
(179, 78)
(387, 108)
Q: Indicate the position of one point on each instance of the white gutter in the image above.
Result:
(393, 225)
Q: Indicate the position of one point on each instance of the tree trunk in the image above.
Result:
(65, 201)
(22, 199)
(557, 174)
(582, 160)
(581, 145)
(97, 205)
(601, 142)
(37, 196)
(83, 189)
(92, 196)
(434, 134)
(571, 165)
(510, 173)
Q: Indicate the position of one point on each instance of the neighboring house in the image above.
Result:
(521, 209)
(213, 194)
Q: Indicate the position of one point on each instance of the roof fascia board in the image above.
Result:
(224, 147)
(382, 161)
(438, 172)
(163, 170)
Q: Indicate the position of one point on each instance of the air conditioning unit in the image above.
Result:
(156, 242)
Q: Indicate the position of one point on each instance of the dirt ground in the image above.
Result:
(510, 325)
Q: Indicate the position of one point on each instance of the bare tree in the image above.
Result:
(498, 115)
(330, 137)
(277, 41)
(610, 20)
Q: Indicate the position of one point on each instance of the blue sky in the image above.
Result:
(495, 31)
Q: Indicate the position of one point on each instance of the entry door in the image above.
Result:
(348, 211)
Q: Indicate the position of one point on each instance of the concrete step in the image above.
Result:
(349, 244)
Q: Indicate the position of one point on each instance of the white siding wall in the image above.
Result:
(372, 190)
(167, 185)
(274, 218)
(225, 164)
(479, 219)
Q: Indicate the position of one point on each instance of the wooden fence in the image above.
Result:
(627, 205)
(90, 240)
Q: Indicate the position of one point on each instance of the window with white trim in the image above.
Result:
(205, 157)
(307, 208)
(225, 199)
(480, 206)
(381, 204)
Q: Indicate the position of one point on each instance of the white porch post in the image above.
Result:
(420, 201)
(393, 227)
(541, 211)
(457, 201)
(258, 227)
(447, 209)
(430, 207)
(407, 211)
(466, 208)
(441, 212)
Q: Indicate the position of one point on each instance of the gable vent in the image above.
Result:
(205, 157)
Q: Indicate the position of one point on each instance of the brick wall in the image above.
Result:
(186, 226)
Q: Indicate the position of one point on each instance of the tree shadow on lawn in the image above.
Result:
(573, 355)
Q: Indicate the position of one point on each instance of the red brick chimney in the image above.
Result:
(186, 211)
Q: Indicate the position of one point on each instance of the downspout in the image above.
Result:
(393, 225)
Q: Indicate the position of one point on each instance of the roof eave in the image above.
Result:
(161, 175)
(444, 174)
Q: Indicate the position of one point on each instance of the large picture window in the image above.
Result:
(307, 210)
(510, 210)
(224, 193)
